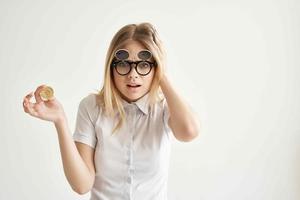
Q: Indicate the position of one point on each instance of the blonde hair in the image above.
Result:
(108, 98)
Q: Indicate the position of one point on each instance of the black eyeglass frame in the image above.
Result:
(116, 61)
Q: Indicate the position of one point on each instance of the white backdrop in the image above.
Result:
(236, 62)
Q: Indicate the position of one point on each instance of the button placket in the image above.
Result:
(132, 117)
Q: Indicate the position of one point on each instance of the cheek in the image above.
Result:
(117, 80)
(149, 79)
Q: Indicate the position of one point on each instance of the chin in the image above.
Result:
(133, 96)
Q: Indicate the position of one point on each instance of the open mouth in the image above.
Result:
(133, 86)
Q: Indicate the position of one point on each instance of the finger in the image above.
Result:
(29, 108)
(25, 106)
(26, 99)
(52, 99)
(37, 96)
(28, 96)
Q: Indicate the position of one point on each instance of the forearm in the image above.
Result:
(76, 171)
(185, 125)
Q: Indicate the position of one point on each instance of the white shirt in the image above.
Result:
(132, 163)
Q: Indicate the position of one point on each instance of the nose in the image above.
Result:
(133, 73)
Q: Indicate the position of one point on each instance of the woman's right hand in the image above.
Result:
(50, 110)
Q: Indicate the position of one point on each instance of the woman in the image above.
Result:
(121, 144)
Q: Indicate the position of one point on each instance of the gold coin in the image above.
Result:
(47, 93)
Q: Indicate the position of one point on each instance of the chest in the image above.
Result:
(141, 142)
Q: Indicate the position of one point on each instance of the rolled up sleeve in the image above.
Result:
(84, 128)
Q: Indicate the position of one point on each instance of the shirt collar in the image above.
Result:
(142, 103)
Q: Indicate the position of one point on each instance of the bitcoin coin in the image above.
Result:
(47, 93)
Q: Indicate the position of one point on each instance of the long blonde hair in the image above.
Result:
(108, 98)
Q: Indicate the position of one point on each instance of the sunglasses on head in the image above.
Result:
(124, 66)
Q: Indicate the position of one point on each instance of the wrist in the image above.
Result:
(163, 81)
(60, 120)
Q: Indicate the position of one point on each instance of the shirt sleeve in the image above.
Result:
(85, 121)
(166, 116)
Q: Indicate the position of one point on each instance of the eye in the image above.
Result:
(144, 65)
(123, 68)
(123, 64)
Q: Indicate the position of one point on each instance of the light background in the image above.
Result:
(236, 63)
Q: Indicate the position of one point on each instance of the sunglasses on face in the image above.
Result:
(124, 66)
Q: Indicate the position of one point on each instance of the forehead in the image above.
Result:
(133, 46)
